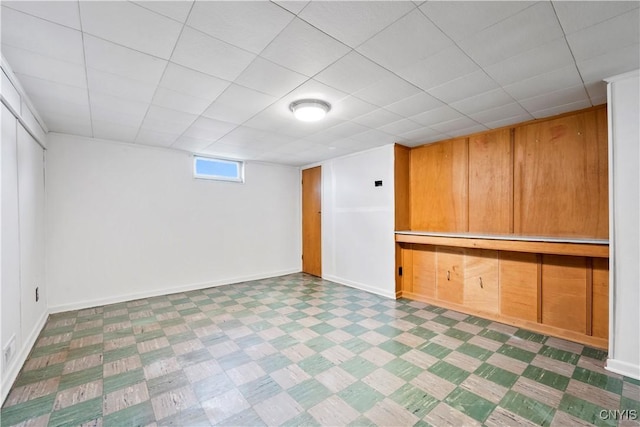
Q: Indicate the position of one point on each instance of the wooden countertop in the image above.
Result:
(598, 248)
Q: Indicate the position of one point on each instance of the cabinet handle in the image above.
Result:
(481, 283)
(448, 275)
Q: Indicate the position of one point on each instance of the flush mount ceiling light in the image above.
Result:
(309, 110)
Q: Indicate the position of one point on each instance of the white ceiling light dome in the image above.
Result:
(309, 110)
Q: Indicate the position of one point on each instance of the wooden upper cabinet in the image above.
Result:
(560, 177)
(491, 182)
(401, 193)
(439, 186)
(481, 288)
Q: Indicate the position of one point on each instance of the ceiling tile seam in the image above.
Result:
(599, 22)
(575, 63)
(41, 18)
(141, 5)
(472, 60)
(86, 74)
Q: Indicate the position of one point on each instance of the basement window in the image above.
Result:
(218, 169)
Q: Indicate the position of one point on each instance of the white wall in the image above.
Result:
(126, 221)
(358, 221)
(624, 183)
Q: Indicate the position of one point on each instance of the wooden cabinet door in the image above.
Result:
(600, 299)
(450, 274)
(564, 292)
(481, 287)
(491, 182)
(424, 270)
(560, 177)
(438, 186)
(519, 276)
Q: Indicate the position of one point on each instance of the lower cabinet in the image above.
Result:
(559, 295)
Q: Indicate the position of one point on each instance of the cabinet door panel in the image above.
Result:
(439, 186)
(481, 280)
(491, 182)
(564, 292)
(600, 310)
(424, 270)
(560, 184)
(519, 285)
(450, 279)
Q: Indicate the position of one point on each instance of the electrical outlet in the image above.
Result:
(9, 351)
(37, 294)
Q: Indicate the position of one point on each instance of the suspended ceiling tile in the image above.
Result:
(436, 115)
(599, 39)
(178, 101)
(161, 119)
(36, 87)
(559, 109)
(484, 101)
(191, 82)
(351, 73)
(546, 101)
(387, 91)
(42, 37)
(464, 87)
(149, 137)
(377, 118)
(575, 16)
(462, 19)
(67, 123)
(400, 127)
(351, 107)
(272, 79)
(543, 83)
(130, 25)
(303, 48)
(455, 126)
(112, 58)
(293, 6)
(612, 63)
(114, 131)
(415, 104)
(193, 145)
(354, 22)
(206, 54)
(248, 25)
(64, 13)
(113, 84)
(530, 28)
(205, 128)
(238, 104)
(509, 121)
(410, 39)
(491, 116)
(177, 10)
(43, 67)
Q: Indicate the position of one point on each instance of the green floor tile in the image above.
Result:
(474, 351)
(447, 371)
(414, 319)
(117, 382)
(530, 336)
(80, 377)
(494, 335)
(358, 367)
(76, 353)
(87, 332)
(326, 316)
(28, 377)
(496, 375)
(478, 321)
(291, 327)
(444, 320)
(77, 414)
(517, 353)
(355, 330)
(194, 357)
(360, 396)
(384, 318)
(309, 393)
(403, 369)
(233, 360)
(319, 344)
(153, 356)
(594, 353)
(259, 390)
(597, 379)
(302, 420)
(394, 347)
(421, 332)
(415, 400)
(313, 365)
(213, 386)
(50, 349)
(561, 355)
(435, 350)
(631, 405)
(389, 331)
(249, 341)
(322, 328)
(470, 404)
(458, 334)
(137, 415)
(274, 362)
(181, 337)
(23, 411)
(284, 341)
(120, 353)
(356, 345)
(528, 408)
(551, 379)
(585, 410)
(150, 335)
(168, 382)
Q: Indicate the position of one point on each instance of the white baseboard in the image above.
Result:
(165, 291)
(21, 357)
(387, 294)
(623, 368)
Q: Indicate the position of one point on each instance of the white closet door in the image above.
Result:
(10, 238)
(31, 210)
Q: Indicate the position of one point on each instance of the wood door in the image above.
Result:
(424, 270)
(564, 292)
(481, 289)
(312, 221)
(560, 177)
(450, 278)
(519, 277)
(439, 186)
(600, 299)
(491, 182)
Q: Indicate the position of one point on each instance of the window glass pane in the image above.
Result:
(218, 169)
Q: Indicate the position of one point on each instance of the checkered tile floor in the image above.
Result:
(297, 350)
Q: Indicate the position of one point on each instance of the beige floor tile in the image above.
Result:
(245, 373)
(456, 315)
(419, 358)
(290, 376)
(540, 392)
(383, 381)
(119, 326)
(373, 338)
(502, 328)
(463, 361)
(377, 356)
(447, 341)
(82, 363)
(553, 365)
(119, 343)
(484, 388)
(444, 415)
(389, 413)
(32, 391)
(54, 339)
(81, 326)
(223, 349)
(304, 335)
(336, 379)
(298, 352)
(564, 345)
(77, 394)
(468, 327)
(41, 421)
(410, 339)
(224, 406)
(631, 391)
(434, 385)
(337, 355)
(338, 336)
(202, 370)
(124, 398)
(507, 363)
(485, 343)
(278, 409)
(121, 365)
(562, 419)
(501, 417)
(595, 395)
(44, 361)
(154, 344)
(160, 368)
(187, 347)
(524, 344)
(333, 412)
(172, 402)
